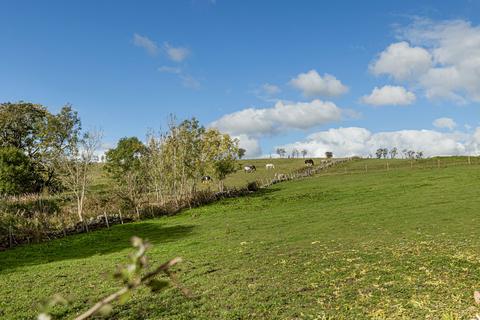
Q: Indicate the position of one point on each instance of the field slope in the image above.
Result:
(400, 244)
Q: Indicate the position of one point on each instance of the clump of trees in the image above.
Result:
(31, 140)
(171, 164)
(384, 153)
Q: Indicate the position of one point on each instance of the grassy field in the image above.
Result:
(238, 179)
(397, 244)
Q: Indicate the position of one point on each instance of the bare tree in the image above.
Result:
(393, 152)
(304, 152)
(76, 164)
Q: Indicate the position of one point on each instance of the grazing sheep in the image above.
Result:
(249, 169)
(269, 166)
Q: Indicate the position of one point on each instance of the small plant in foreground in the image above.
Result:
(133, 275)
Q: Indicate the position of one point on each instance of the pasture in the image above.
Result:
(347, 244)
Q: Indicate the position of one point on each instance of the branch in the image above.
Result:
(114, 296)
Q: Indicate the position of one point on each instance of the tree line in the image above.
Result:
(43, 152)
(384, 153)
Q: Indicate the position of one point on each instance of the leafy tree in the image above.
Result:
(304, 153)
(221, 152)
(281, 152)
(39, 134)
(329, 154)
(124, 165)
(381, 153)
(241, 153)
(411, 154)
(393, 152)
(17, 174)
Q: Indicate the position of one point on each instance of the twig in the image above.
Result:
(114, 296)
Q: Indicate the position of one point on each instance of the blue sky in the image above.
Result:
(126, 65)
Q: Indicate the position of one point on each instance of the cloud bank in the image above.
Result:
(282, 116)
(441, 58)
(355, 141)
(250, 124)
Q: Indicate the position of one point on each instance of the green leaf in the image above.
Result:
(124, 297)
(105, 310)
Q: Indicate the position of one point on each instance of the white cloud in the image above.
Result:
(402, 61)
(312, 84)
(447, 123)
(283, 116)
(344, 142)
(145, 43)
(270, 89)
(187, 79)
(445, 61)
(389, 95)
(177, 54)
(251, 145)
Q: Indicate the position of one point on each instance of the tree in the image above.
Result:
(393, 152)
(411, 154)
(17, 175)
(281, 152)
(221, 152)
(419, 155)
(304, 153)
(39, 134)
(381, 153)
(75, 165)
(295, 153)
(241, 153)
(329, 154)
(124, 165)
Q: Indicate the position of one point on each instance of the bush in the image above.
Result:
(253, 186)
(17, 173)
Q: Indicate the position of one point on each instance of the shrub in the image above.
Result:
(17, 173)
(253, 186)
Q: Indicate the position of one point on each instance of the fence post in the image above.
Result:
(366, 169)
(10, 236)
(469, 162)
(106, 218)
(388, 166)
(120, 214)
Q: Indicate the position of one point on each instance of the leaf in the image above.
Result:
(124, 297)
(105, 310)
(157, 285)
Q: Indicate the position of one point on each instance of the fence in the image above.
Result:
(18, 229)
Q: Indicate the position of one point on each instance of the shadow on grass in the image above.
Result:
(101, 242)
(263, 192)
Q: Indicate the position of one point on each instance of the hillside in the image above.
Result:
(347, 244)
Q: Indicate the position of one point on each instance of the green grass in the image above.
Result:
(239, 179)
(401, 244)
